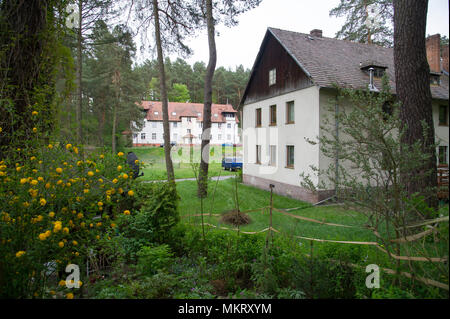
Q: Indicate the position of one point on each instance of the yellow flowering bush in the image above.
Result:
(49, 202)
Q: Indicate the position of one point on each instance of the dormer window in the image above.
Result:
(156, 112)
(174, 113)
(435, 78)
(378, 68)
(272, 77)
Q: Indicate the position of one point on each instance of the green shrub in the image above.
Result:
(154, 259)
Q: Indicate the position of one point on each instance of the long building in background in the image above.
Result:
(186, 124)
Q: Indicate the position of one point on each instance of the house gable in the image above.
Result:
(288, 74)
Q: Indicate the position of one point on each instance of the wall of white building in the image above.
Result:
(306, 114)
(152, 132)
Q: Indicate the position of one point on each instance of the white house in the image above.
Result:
(288, 94)
(185, 122)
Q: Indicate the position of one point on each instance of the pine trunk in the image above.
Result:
(78, 111)
(204, 163)
(412, 77)
(165, 106)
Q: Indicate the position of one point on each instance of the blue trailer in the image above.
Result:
(231, 163)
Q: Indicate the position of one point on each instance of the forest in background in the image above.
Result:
(112, 49)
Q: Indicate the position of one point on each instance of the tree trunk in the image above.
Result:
(412, 77)
(165, 106)
(79, 132)
(206, 134)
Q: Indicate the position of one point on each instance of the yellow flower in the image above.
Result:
(90, 173)
(66, 230)
(40, 178)
(113, 225)
(23, 180)
(43, 201)
(48, 233)
(20, 253)
(34, 182)
(100, 204)
(42, 236)
(34, 113)
(119, 168)
(47, 186)
(50, 146)
(62, 283)
(125, 176)
(75, 149)
(68, 146)
(34, 130)
(61, 244)
(79, 163)
(126, 212)
(86, 191)
(115, 181)
(80, 215)
(74, 242)
(1, 130)
(69, 295)
(39, 218)
(57, 227)
(18, 168)
(102, 156)
(130, 193)
(32, 158)
(120, 154)
(59, 170)
(99, 224)
(51, 214)
(52, 292)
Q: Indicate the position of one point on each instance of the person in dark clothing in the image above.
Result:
(132, 161)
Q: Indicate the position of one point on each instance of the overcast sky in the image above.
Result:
(240, 44)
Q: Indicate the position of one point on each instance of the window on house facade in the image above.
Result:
(258, 117)
(199, 136)
(258, 154)
(189, 119)
(443, 151)
(290, 156)
(443, 115)
(154, 124)
(272, 77)
(174, 113)
(216, 115)
(189, 131)
(174, 124)
(273, 155)
(200, 124)
(153, 136)
(135, 135)
(219, 126)
(142, 136)
(156, 113)
(435, 79)
(199, 114)
(290, 112)
(273, 115)
(229, 125)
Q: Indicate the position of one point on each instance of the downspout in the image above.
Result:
(336, 159)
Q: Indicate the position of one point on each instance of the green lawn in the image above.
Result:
(155, 166)
(252, 198)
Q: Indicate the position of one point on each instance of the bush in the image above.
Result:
(54, 206)
(154, 259)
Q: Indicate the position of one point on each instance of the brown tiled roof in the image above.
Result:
(186, 109)
(330, 61)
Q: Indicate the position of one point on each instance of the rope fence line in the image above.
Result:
(406, 239)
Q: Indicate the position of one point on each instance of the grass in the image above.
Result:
(253, 198)
(155, 166)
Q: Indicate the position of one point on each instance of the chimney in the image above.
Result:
(316, 33)
(444, 55)
(433, 45)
